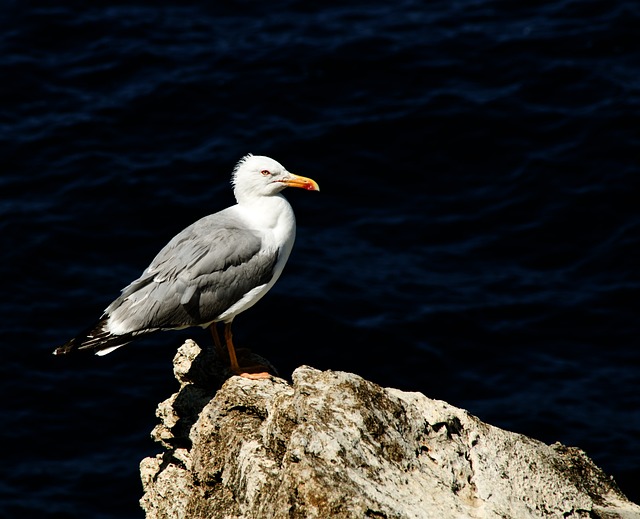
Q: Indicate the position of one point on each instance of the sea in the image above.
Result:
(476, 237)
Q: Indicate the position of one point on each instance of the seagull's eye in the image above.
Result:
(265, 173)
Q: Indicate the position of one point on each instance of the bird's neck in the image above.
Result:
(269, 213)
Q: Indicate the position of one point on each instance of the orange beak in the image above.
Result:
(302, 182)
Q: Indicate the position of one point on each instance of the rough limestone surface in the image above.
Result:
(333, 445)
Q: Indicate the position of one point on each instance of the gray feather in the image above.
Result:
(198, 275)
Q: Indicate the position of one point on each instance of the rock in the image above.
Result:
(334, 445)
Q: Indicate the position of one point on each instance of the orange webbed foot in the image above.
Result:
(253, 372)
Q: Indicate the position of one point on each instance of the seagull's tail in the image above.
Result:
(97, 339)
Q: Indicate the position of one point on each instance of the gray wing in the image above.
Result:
(198, 275)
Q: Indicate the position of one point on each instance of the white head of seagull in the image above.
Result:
(259, 176)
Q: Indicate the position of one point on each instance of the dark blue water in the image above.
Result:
(476, 237)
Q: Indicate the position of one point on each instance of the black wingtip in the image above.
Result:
(65, 348)
(83, 343)
(94, 340)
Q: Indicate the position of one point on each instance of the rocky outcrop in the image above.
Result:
(333, 445)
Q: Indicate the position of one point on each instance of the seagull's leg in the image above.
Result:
(232, 351)
(216, 339)
(252, 372)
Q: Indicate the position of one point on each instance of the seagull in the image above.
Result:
(210, 272)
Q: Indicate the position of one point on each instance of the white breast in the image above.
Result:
(273, 218)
